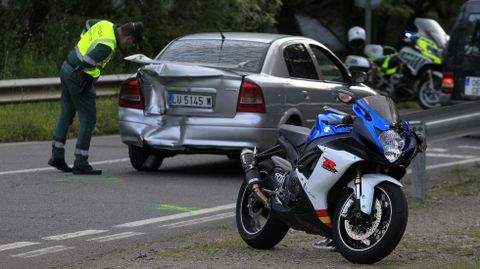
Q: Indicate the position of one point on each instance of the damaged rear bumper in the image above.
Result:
(197, 134)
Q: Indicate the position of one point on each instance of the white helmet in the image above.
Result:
(356, 37)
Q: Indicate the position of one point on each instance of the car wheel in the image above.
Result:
(142, 159)
(234, 156)
(294, 121)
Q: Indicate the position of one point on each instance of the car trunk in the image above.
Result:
(189, 90)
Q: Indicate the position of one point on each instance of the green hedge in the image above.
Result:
(36, 35)
(36, 121)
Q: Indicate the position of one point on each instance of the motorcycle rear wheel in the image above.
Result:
(257, 226)
(368, 239)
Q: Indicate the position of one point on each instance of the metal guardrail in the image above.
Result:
(437, 125)
(449, 122)
(41, 89)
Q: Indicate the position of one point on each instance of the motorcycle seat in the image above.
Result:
(297, 135)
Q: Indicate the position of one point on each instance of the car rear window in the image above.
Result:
(472, 37)
(246, 56)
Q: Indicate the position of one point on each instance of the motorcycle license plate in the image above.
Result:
(190, 100)
(472, 86)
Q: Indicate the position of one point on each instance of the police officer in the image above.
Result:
(79, 71)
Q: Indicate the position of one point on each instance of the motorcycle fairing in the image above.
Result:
(430, 49)
(414, 60)
(369, 181)
(322, 129)
(376, 122)
(330, 167)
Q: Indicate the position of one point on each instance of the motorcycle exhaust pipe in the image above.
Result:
(252, 175)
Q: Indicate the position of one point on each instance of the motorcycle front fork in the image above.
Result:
(430, 79)
(358, 189)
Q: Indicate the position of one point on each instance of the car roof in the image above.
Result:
(255, 37)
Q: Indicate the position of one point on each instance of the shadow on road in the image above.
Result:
(210, 169)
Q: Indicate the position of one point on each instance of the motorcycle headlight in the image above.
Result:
(392, 144)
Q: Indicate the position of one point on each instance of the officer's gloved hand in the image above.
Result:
(87, 82)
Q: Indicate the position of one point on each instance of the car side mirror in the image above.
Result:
(359, 77)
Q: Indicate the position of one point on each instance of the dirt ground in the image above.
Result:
(442, 232)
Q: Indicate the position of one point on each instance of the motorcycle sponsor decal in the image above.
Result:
(324, 217)
(329, 165)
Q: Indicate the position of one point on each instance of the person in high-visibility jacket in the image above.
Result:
(79, 71)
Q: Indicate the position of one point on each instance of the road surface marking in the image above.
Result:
(20, 143)
(33, 170)
(436, 150)
(198, 221)
(453, 119)
(469, 147)
(115, 236)
(175, 216)
(42, 251)
(175, 208)
(17, 245)
(453, 156)
(73, 235)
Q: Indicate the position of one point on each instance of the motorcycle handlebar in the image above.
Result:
(347, 119)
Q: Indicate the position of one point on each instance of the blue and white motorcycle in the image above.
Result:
(340, 180)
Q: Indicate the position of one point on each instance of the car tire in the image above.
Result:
(138, 157)
(234, 156)
(294, 121)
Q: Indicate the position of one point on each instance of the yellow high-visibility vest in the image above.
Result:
(101, 32)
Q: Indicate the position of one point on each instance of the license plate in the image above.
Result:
(472, 86)
(190, 100)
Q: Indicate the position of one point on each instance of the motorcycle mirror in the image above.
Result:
(359, 77)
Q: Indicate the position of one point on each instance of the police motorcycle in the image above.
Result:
(340, 180)
(414, 72)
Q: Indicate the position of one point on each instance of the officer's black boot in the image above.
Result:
(82, 167)
(57, 159)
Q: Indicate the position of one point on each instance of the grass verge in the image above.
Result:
(36, 121)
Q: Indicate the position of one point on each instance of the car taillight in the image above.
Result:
(131, 95)
(448, 82)
(250, 98)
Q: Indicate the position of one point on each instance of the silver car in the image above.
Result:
(221, 92)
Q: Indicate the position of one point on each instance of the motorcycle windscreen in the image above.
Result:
(431, 29)
(383, 107)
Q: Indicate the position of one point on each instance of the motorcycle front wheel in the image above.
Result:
(368, 239)
(428, 92)
(258, 226)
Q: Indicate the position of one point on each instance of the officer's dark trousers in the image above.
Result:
(73, 101)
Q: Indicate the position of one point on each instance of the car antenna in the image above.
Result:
(221, 46)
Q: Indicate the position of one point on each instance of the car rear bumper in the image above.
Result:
(182, 133)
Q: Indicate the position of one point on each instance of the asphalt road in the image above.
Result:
(49, 218)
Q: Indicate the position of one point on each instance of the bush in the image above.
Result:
(36, 121)
(37, 35)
